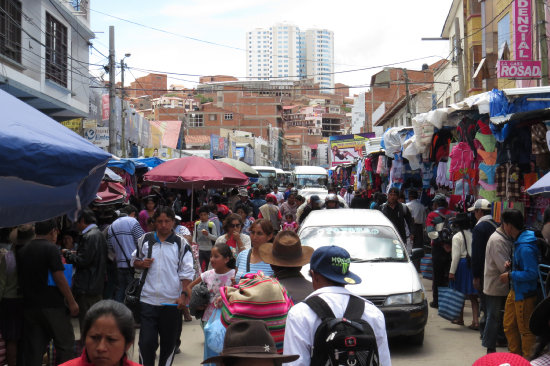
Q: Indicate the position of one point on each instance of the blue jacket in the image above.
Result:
(524, 273)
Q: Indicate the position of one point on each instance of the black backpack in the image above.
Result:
(348, 340)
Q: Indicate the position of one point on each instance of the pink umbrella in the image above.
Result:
(195, 172)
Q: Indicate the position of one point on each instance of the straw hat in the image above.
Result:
(286, 251)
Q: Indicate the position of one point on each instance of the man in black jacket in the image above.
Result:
(90, 262)
(398, 214)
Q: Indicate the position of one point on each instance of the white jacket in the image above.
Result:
(460, 248)
(171, 265)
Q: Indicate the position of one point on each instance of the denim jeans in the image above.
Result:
(494, 306)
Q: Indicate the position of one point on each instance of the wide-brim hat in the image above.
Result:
(286, 251)
(538, 324)
(249, 339)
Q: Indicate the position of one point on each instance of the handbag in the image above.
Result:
(257, 297)
(133, 291)
(426, 266)
(450, 302)
(214, 332)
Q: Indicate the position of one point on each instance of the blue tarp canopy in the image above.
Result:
(46, 170)
(126, 164)
(149, 162)
(505, 105)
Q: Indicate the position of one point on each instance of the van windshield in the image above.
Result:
(364, 243)
(311, 180)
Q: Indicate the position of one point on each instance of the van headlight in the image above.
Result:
(405, 299)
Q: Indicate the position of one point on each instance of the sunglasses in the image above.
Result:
(234, 225)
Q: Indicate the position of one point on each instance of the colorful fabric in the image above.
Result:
(462, 157)
(487, 141)
(490, 196)
(529, 179)
(441, 178)
(538, 139)
(507, 178)
(258, 297)
(487, 172)
(488, 187)
(490, 158)
(484, 128)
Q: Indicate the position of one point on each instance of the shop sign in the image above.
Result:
(99, 136)
(522, 67)
(519, 69)
(218, 147)
(73, 124)
(522, 30)
(105, 107)
(347, 149)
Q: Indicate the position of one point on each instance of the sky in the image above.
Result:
(367, 33)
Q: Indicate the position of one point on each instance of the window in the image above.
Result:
(10, 29)
(228, 116)
(56, 51)
(212, 117)
(196, 120)
(503, 35)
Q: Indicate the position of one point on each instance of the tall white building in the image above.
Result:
(283, 51)
(358, 113)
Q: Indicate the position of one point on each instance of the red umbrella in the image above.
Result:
(195, 172)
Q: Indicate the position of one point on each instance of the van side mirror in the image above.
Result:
(417, 253)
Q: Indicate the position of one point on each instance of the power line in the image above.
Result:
(293, 76)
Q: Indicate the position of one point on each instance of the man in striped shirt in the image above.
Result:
(123, 235)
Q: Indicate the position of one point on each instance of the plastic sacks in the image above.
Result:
(411, 153)
(394, 139)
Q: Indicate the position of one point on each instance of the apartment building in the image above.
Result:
(153, 85)
(44, 55)
(284, 51)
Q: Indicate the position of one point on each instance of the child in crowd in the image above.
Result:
(290, 224)
(221, 274)
(205, 235)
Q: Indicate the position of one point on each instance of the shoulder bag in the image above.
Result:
(133, 291)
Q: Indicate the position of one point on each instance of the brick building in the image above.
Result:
(389, 87)
(154, 85)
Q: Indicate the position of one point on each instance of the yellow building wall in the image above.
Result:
(474, 37)
(506, 7)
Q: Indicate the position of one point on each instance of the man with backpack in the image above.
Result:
(484, 228)
(332, 323)
(167, 263)
(438, 227)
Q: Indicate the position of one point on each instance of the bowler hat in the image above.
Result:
(286, 251)
(249, 339)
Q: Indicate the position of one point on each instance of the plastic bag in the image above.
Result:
(214, 332)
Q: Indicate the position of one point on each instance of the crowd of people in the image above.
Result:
(51, 271)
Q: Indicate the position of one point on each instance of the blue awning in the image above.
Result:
(46, 170)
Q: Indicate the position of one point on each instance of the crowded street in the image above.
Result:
(268, 183)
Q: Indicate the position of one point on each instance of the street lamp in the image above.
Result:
(123, 110)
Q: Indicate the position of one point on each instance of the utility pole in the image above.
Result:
(407, 98)
(458, 46)
(112, 74)
(123, 109)
(541, 34)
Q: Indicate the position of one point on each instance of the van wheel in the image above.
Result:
(417, 339)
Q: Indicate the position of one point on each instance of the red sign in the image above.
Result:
(519, 69)
(105, 107)
(522, 30)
